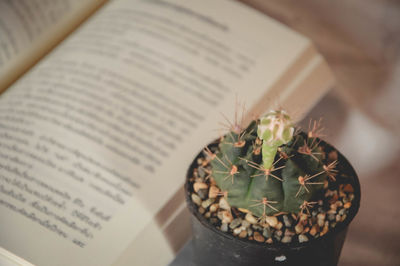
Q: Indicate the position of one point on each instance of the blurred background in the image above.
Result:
(360, 40)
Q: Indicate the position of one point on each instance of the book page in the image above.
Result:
(97, 137)
(30, 28)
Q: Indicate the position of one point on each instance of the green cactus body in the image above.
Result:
(270, 176)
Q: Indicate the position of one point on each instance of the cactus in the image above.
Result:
(268, 169)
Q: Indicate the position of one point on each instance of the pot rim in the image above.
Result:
(353, 210)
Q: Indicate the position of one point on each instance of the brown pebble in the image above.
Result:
(258, 237)
(324, 230)
(299, 228)
(314, 230)
(347, 205)
(251, 238)
(269, 241)
(279, 225)
(243, 234)
(348, 188)
(227, 217)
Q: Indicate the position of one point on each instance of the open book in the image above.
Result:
(96, 137)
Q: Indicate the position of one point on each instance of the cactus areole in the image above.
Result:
(266, 169)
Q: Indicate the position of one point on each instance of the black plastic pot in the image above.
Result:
(214, 247)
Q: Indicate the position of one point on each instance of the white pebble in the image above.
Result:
(303, 238)
(223, 204)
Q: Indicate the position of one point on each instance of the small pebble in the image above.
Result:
(331, 217)
(258, 237)
(267, 232)
(289, 233)
(235, 223)
(227, 217)
(203, 193)
(237, 231)
(224, 227)
(249, 231)
(286, 239)
(320, 220)
(201, 171)
(207, 215)
(196, 199)
(213, 192)
(214, 207)
(351, 197)
(286, 221)
(279, 225)
(250, 218)
(314, 230)
(223, 204)
(278, 233)
(199, 185)
(347, 205)
(338, 218)
(207, 203)
(325, 229)
(272, 221)
(339, 203)
(348, 188)
(343, 217)
(269, 241)
(243, 234)
(299, 228)
(245, 224)
(303, 238)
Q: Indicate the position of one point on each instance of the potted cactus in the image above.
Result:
(269, 194)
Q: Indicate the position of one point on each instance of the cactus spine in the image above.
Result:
(266, 169)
